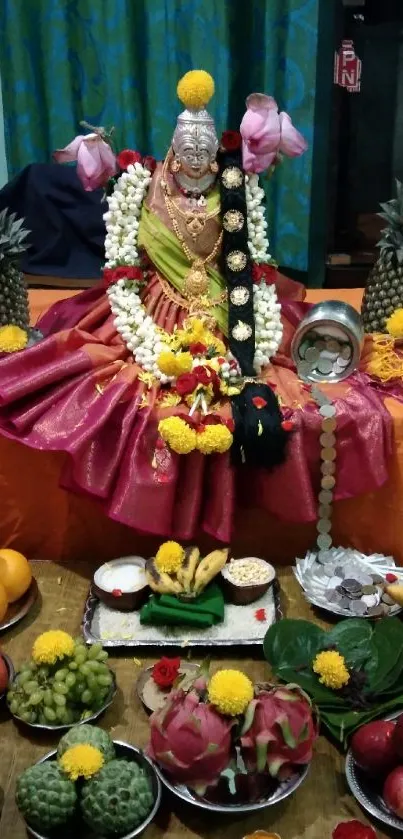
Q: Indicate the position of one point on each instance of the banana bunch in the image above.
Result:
(193, 576)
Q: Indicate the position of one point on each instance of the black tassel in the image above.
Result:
(259, 438)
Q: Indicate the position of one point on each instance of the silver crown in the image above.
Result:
(195, 125)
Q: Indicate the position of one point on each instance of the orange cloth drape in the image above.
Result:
(39, 518)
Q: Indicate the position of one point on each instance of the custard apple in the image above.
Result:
(87, 734)
(45, 797)
(117, 799)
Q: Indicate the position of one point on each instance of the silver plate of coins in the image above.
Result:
(346, 582)
(326, 346)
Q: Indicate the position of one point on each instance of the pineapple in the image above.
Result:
(384, 290)
(13, 291)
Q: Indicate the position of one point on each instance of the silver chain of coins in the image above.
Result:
(323, 355)
(327, 412)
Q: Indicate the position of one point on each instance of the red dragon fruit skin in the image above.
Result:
(279, 731)
(190, 741)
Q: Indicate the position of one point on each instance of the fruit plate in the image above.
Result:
(11, 672)
(282, 791)
(123, 629)
(151, 697)
(78, 829)
(368, 792)
(18, 610)
(314, 577)
(94, 716)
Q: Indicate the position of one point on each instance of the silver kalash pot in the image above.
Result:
(327, 344)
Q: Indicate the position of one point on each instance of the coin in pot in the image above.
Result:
(343, 362)
(324, 366)
(358, 607)
(332, 345)
(327, 411)
(324, 541)
(303, 347)
(329, 424)
(345, 352)
(328, 467)
(328, 482)
(312, 354)
(325, 497)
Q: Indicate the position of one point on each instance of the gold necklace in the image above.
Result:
(196, 282)
(195, 221)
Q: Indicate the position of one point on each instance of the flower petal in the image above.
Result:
(292, 143)
(70, 152)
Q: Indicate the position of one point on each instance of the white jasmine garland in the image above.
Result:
(142, 337)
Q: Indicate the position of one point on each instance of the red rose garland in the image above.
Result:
(165, 672)
(122, 272)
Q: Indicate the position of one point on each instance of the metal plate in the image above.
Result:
(368, 793)
(142, 641)
(11, 672)
(108, 701)
(77, 828)
(18, 610)
(187, 668)
(284, 790)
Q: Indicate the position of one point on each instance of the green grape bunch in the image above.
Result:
(65, 693)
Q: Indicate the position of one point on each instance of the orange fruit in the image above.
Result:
(15, 574)
(3, 602)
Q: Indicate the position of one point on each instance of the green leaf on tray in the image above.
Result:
(291, 645)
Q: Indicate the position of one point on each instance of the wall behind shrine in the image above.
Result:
(3, 159)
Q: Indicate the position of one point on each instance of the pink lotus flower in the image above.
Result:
(96, 162)
(266, 133)
(190, 740)
(279, 731)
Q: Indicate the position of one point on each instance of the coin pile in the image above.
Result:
(328, 468)
(323, 357)
(352, 588)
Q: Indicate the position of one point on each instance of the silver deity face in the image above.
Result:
(195, 146)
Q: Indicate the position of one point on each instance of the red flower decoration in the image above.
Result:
(353, 830)
(231, 140)
(186, 383)
(260, 615)
(150, 163)
(127, 157)
(205, 375)
(165, 671)
(198, 348)
(259, 402)
(117, 592)
(264, 272)
(123, 272)
(391, 578)
(287, 425)
(230, 425)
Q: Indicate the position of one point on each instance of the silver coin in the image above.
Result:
(358, 607)
(325, 496)
(324, 366)
(339, 572)
(364, 579)
(328, 571)
(337, 369)
(368, 589)
(324, 526)
(324, 557)
(332, 596)
(331, 356)
(343, 362)
(324, 541)
(320, 345)
(324, 511)
(328, 467)
(327, 411)
(346, 352)
(369, 600)
(334, 582)
(377, 579)
(344, 603)
(387, 600)
(351, 584)
(303, 347)
(319, 396)
(332, 345)
(376, 612)
(312, 354)
(327, 439)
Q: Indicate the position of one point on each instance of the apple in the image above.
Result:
(373, 748)
(393, 791)
(3, 675)
(398, 736)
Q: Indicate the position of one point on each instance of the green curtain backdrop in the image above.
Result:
(118, 62)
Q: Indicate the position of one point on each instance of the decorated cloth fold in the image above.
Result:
(166, 610)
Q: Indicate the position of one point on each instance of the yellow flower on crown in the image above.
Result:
(169, 558)
(81, 761)
(195, 89)
(331, 668)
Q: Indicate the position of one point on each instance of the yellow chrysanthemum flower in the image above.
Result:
(12, 338)
(179, 436)
(52, 645)
(174, 364)
(170, 557)
(195, 89)
(331, 668)
(230, 691)
(81, 761)
(214, 439)
(394, 324)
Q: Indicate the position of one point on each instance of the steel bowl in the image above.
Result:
(334, 319)
(78, 829)
(94, 716)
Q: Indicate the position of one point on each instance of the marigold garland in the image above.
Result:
(12, 338)
(51, 646)
(178, 434)
(81, 761)
(174, 365)
(394, 324)
(331, 668)
(230, 691)
(169, 557)
(214, 439)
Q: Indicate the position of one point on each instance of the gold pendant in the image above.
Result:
(195, 224)
(196, 283)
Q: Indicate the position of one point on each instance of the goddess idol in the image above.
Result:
(169, 386)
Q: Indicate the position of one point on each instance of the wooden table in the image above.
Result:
(312, 813)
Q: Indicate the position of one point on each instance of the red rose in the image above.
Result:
(205, 375)
(165, 671)
(150, 163)
(353, 830)
(186, 383)
(198, 348)
(264, 272)
(259, 402)
(231, 140)
(127, 157)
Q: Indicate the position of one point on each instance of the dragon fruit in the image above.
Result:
(190, 740)
(279, 731)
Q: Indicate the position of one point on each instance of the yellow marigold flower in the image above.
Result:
(331, 668)
(184, 363)
(81, 761)
(214, 438)
(181, 438)
(230, 691)
(170, 557)
(12, 338)
(169, 400)
(174, 364)
(52, 645)
(195, 89)
(394, 324)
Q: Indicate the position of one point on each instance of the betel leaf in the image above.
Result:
(292, 643)
(385, 664)
(343, 724)
(310, 683)
(353, 640)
